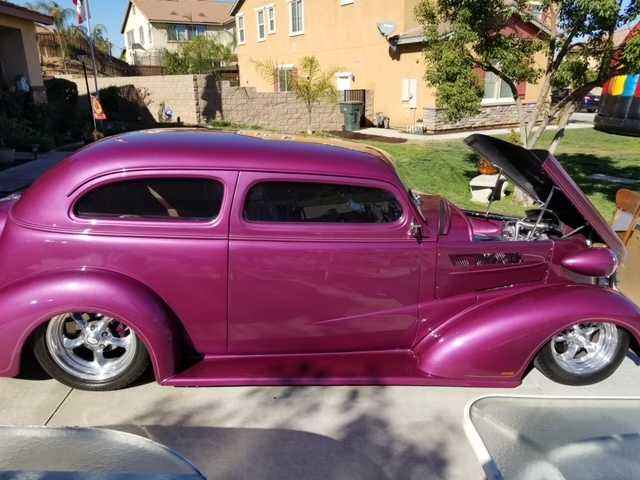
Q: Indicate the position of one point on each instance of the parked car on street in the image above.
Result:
(227, 259)
(590, 102)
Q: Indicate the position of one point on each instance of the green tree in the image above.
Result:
(310, 83)
(101, 40)
(576, 41)
(200, 55)
(62, 17)
(99, 36)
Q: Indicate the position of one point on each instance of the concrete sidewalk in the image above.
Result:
(291, 433)
(578, 121)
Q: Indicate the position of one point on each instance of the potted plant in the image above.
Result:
(485, 167)
(7, 155)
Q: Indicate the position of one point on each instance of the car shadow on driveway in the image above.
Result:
(360, 442)
(278, 454)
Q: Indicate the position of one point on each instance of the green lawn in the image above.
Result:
(446, 167)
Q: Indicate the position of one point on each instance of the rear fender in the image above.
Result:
(499, 339)
(27, 304)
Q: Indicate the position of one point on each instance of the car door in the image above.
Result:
(321, 264)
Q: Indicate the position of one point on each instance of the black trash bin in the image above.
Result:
(353, 112)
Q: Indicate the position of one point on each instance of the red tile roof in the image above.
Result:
(182, 11)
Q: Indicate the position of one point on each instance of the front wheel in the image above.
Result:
(90, 351)
(584, 354)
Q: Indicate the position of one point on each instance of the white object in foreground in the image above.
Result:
(482, 187)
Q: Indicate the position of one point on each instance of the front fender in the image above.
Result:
(498, 339)
(27, 304)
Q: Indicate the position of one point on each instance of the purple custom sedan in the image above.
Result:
(224, 259)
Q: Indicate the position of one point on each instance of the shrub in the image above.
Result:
(19, 134)
(61, 91)
(126, 104)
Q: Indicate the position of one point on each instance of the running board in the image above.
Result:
(397, 367)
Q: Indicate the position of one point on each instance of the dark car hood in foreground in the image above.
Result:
(537, 172)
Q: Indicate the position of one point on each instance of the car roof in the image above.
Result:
(199, 148)
(178, 149)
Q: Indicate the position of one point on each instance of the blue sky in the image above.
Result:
(108, 12)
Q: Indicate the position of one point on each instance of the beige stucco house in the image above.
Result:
(376, 44)
(18, 48)
(152, 26)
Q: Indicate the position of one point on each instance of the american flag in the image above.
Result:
(82, 7)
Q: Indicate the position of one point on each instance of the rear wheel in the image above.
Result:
(90, 351)
(584, 354)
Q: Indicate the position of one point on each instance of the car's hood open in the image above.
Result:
(537, 172)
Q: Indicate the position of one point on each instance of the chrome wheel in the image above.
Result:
(90, 346)
(586, 348)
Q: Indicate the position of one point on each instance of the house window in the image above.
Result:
(195, 199)
(308, 202)
(271, 19)
(150, 34)
(141, 35)
(199, 31)
(285, 78)
(241, 31)
(130, 39)
(262, 28)
(496, 89)
(296, 17)
(178, 33)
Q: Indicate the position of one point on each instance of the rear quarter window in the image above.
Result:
(194, 199)
(308, 202)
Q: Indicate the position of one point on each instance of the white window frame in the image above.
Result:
(263, 37)
(281, 68)
(496, 99)
(302, 22)
(131, 39)
(141, 34)
(242, 38)
(270, 15)
(198, 28)
(150, 33)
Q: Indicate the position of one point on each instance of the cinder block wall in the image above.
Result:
(494, 116)
(199, 99)
(175, 91)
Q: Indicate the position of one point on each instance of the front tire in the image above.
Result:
(584, 354)
(90, 351)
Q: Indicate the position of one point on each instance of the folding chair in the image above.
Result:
(627, 214)
(626, 222)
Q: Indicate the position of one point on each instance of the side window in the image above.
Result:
(320, 203)
(194, 199)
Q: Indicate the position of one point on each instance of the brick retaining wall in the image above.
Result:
(176, 91)
(199, 99)
(435, 120)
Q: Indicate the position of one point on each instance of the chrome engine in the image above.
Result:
(527, 230)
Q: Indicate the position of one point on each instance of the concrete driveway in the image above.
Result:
(290, 433)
